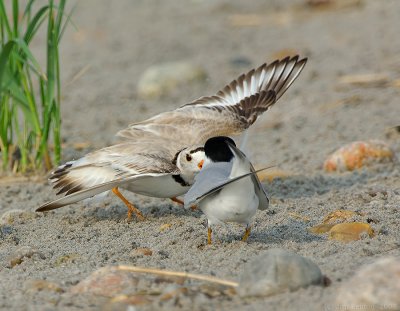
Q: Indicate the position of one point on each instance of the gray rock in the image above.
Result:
(161, 79)
(275, 271)
(375, 286)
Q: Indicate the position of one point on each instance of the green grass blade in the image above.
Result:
(4, 22)
(29, 119)
(15, 11)
(25, 49)
(4, 57)
(28, 8)
(35, 24)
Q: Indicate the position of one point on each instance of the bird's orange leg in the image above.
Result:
(180, 202)
(246, 233)
(209, 236)
(176, 200)
(129, 205)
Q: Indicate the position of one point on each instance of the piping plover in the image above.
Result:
(161, 155)
(227, 188)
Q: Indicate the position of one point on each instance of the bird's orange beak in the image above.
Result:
(200, 165)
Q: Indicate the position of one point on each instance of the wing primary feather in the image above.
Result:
(219, 187)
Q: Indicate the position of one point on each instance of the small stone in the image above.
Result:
(66, 259)
(365, 80)
(357, 155)
(18, 256)
(34, 286)
(5, 230)
(161, 79)
(16, 216)
(278, 270)
(126, 302)
(108, 282)
(320, 229)
(165, 227)
(273, 173)
(172, 291)
(140, 252)
(375, 286)
(347, 232)
(339, 215)
(240, 61)
(333, 4)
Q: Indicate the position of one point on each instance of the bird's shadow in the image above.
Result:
(294, 231)
(300, 186)
(117, 211)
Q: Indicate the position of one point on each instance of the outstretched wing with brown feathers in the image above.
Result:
(228, 113)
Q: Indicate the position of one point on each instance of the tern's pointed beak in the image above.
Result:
(200, 165)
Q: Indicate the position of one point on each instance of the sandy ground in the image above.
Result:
(115, 42)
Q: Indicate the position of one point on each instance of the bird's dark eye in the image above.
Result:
(188, 157)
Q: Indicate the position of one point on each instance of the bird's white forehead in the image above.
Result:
(196, 152)
(195, 149)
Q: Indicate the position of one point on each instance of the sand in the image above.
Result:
(115, 42)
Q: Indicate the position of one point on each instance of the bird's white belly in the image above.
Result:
(236, 202)
(156, 186)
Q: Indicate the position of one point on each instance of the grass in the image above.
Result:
(30, 97)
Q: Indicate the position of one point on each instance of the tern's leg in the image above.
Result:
(129, 205)
(209, 235)
(246, 233)
(176, 200)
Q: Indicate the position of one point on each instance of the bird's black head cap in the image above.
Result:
(217, 149)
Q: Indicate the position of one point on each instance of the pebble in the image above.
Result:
(348, 232)
(20, 254)
(16, 216)
(375, 286)
(162, 79)
(126, 303)
(108, 282)
(140, 252)
(240, 61)
(66, 259)
(358, 154)
(5, 230)
(33, 286)
(276, 271)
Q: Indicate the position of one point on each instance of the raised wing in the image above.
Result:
(229, 112)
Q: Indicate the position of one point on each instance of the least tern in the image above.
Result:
(161, 155)
(227, 189)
